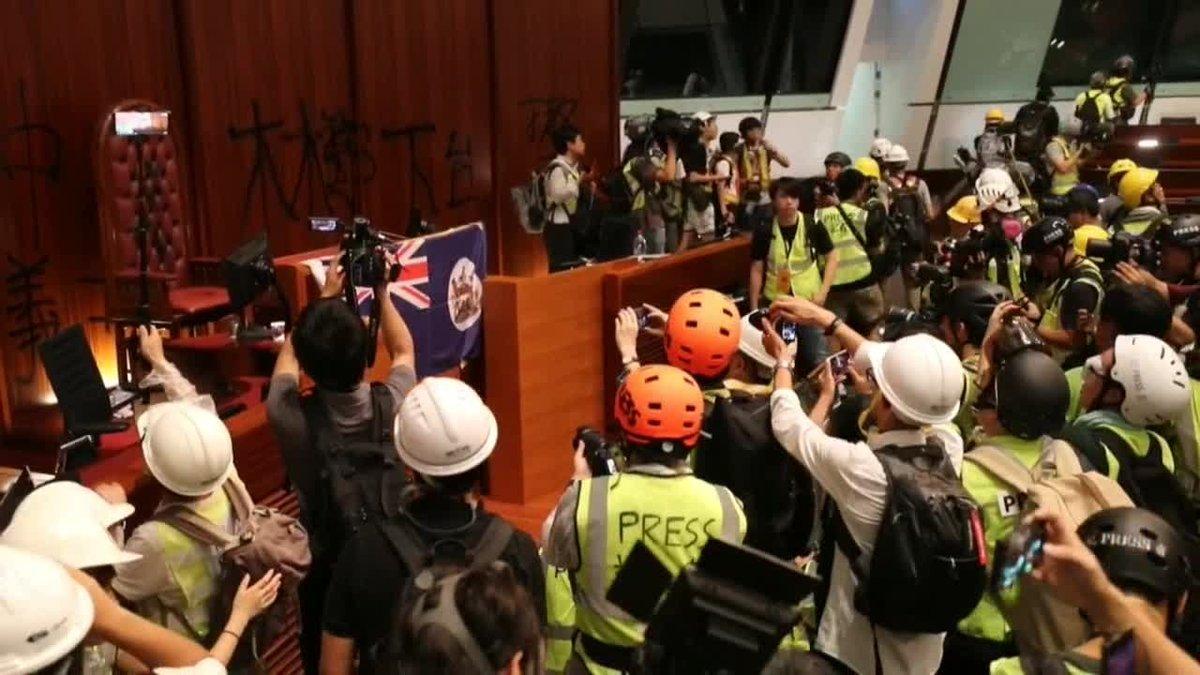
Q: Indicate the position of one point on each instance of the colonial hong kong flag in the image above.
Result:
(439, 292)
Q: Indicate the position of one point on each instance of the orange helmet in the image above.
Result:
(660, 403)
(703, 330)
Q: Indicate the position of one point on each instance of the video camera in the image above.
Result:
(1123, 247)
(596, 450)
(725, 614)
(363, 256)
(670, 124)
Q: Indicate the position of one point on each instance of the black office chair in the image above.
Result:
(82, 397)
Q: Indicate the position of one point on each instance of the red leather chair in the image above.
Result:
(185, 292)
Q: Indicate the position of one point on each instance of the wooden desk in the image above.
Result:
(550, 362)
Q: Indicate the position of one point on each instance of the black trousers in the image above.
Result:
(559, 239)
(312, 610)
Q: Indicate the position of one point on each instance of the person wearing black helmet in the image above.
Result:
(1023, 404)
(1119, 88)
(1129, 571)
(835, 164)
(963, 326)
(1071, 286)
(1178, 242)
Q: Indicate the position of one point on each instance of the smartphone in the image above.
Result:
(643, 317)
(757, 317)
(1017, 555)
(141, 123)
(787, 331)
(324, 224)
(839, 363)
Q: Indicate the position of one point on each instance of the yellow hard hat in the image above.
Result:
(1134, 185)
(1121, 165)
(965, 210)
(868, 167)
(994, 115)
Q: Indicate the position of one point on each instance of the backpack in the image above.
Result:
(910, 220)
(425, 564)
(738, 450)
(1088, 112)
(1041, 622)
(1030, 138)
(360, 478)
(533, 209)
(1149, 483)
(263, 539)
(928, 567)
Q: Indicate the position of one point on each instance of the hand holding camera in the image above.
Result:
(801, 312)
(335, 280)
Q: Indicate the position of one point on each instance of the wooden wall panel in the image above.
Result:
(553, 62)
(423, 91)
(63, 64)
(255, 71)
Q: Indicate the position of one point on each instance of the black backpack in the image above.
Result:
(927, 570)
(426, 563)
(1088, 112)
(361, 477)
(738, 450)
(1030, 124)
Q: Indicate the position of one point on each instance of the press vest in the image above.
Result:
(194, 567)
(1000, 508)
(1115, 87)
(674, 515)
(1139, 220)
(1061, 183)
(1012, 280)
(1136, 439)
(1083, 271)
(1075, 384)
(854, 264)
(1187, 454)
(792, 272)
(965, 420)
(560, 619)
(635, 185)
(756, 168)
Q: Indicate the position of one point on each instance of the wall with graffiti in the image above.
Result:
(424, 110)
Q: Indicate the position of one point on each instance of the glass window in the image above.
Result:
(710, 48)
(1090, 34)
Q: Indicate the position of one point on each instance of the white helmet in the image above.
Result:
(44, 613)
(751, 344)
(995, 189)
(187, 448)
(444, 428)
(896, 154)
(879, 148)
(69, 523)
(1155, 381)
(920, 376)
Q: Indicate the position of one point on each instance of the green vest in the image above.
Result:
(1187, 451)
(1085, 271)
(1075, 384)
(853, 262)
(673, 514)
(194, 568)
(1000, 508)
(1140, 220)
(1061, 183)
(1012, 280)
(965, 420)
(791, 273)
(635, 185)
(560, 619)
(1115, 86)
(1137, 439)
(572, 204)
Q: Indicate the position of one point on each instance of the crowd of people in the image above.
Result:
(996, 472)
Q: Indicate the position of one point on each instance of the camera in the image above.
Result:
(1016, 335)
(1122, 247)
(937, 282)
(672, 125)
(596, 450)
(362, 257)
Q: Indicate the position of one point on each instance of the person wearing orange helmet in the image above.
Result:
(655, 501)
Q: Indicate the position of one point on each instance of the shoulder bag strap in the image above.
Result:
(492, 544)
(239, 497)
(1001, 465)
(850, 548)
(1062, 453)
(381, 396)
(194, 526)
(1103, 490)
(406, 543)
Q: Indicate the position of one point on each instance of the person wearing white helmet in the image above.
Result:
(444, 433)
(920, 382)
(70, 523)
(48, 613)
(1137, 383)
(1001, 211)
(188, 451)
(908, 196)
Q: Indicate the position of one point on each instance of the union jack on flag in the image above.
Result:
(414, 273)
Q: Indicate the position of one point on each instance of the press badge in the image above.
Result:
(1010, 504)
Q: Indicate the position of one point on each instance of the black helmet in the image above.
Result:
(1096, 81)
(1123, 65)
(1182, 231)
(1046, 234)
(972, 302)
(1032, 395)
(1138, 548)
(840, 158)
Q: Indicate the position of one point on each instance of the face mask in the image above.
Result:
(1011, 227)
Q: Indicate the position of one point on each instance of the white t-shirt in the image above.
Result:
(852, 476)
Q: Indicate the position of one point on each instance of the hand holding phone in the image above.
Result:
(1018, 555)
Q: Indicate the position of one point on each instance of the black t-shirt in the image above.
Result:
(815, 233)
(695, 157)
(369, 576)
